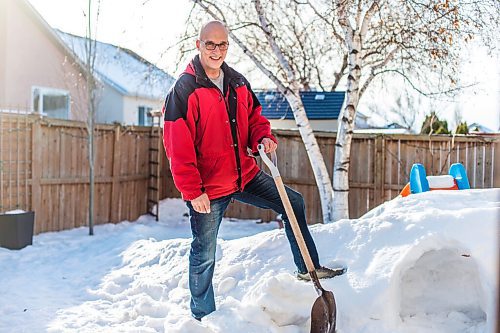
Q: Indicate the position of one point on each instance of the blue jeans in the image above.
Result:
(261, 191)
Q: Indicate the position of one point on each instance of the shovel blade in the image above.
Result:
(324, 313)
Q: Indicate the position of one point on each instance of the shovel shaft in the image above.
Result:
(288, 207)
(295, 225)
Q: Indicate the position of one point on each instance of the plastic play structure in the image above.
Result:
(456, 179)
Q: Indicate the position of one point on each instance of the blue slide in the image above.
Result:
(419, 183)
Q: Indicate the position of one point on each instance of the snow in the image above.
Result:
(441, 181)
(15, 211)
(424, 263)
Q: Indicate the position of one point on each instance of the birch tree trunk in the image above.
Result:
(346, 123)
(421, 41)
(314, 153)
(292, 95)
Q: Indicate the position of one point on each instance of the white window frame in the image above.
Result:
(147, 118)
(48, 91)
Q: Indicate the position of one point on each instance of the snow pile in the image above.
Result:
(425, 263)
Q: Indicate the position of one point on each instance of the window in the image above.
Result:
(144, 117)
(50, 102)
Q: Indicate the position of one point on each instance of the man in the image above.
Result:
(211, 118)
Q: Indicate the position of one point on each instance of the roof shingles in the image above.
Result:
(318, 105)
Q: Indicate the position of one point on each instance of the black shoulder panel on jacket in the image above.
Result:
(176, 103)
(256, 101)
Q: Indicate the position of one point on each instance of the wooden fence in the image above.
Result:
(380, 167)
(44, 167)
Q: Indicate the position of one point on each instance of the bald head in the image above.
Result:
(212, 46)
(211, 27)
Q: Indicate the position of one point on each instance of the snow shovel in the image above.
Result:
(324, 310)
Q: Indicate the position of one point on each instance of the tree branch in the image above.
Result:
(267, 31)
(427, 94)
(242, 45)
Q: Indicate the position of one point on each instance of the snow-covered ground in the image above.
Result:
(425, 263)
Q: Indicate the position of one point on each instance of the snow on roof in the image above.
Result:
(123, 69)
(478, 128)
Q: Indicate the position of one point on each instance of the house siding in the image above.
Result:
(32, 56)
(131, 107)
(3, 49)
(110, 106)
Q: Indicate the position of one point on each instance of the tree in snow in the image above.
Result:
(417, 40)
(287, 46)
(92, 92)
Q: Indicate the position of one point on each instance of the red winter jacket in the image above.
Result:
(207, 132)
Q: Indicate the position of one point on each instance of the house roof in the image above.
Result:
(318, 105)
(478, 128)
(123, 69)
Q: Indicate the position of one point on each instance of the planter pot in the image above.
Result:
(16, 230)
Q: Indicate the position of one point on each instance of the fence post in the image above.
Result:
(379, 176)
(36, 172)
(115, 196)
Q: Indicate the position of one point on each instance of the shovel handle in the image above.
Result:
(272, 165)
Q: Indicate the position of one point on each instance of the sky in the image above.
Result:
(425, 263)
(150, 27)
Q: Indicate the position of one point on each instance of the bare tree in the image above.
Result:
(418, 40)
(403, 111)
(91, 87)
(289, 47)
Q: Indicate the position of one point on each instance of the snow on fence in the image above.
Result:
(44, 167)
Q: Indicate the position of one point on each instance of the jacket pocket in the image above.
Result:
(207, 167)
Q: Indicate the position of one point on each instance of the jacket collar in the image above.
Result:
(231, 76)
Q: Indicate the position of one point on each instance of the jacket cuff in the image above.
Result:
(191, 195)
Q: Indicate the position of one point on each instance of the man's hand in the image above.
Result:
(269, 145)
(201, 204)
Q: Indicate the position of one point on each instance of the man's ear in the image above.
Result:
(198, 44)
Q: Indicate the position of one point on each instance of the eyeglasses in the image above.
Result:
(211, 45)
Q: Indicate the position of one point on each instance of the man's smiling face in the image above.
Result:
(212, 60)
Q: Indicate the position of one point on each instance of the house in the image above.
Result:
(42, 70)
(35, 74)
(322, 108)
(131, 86)
(476, 128)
